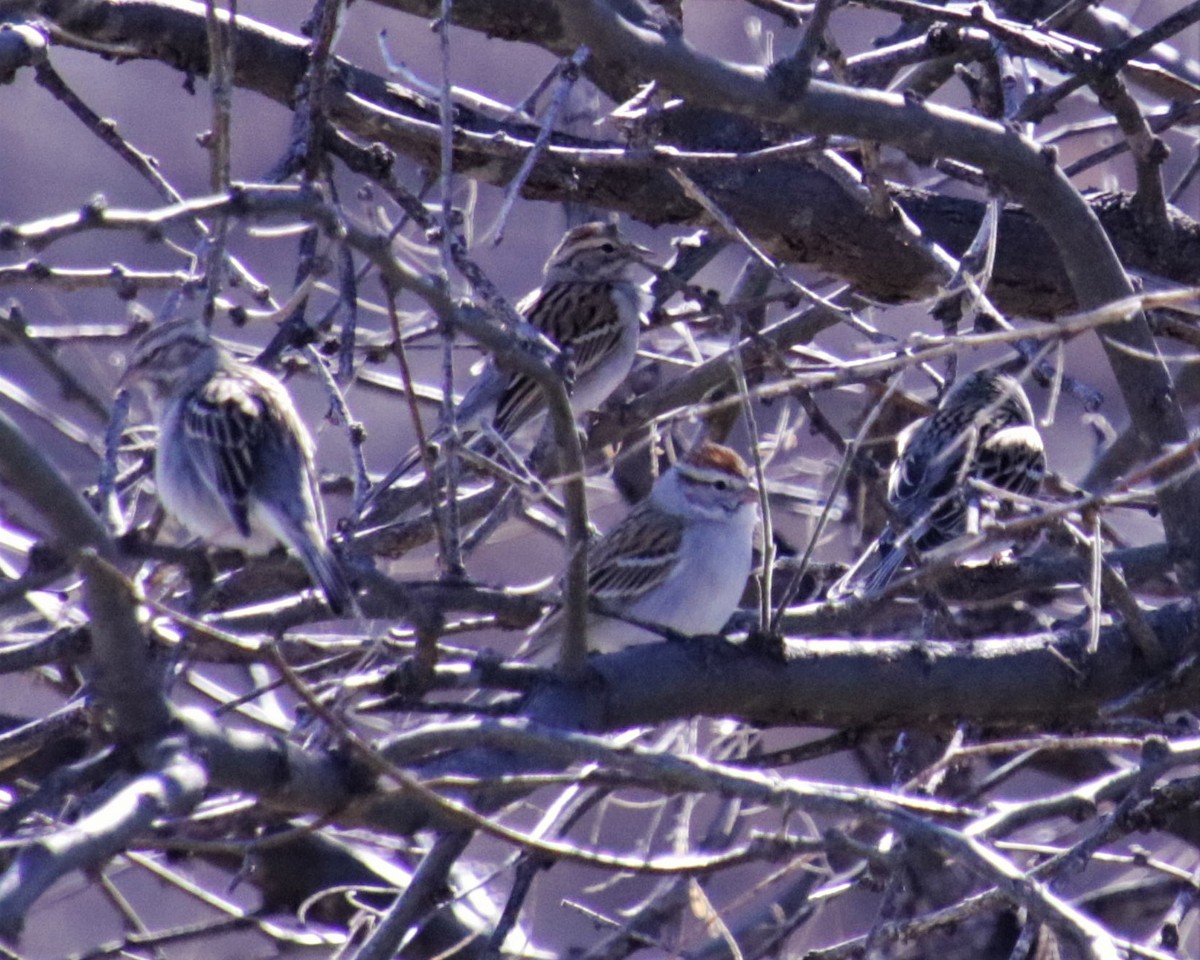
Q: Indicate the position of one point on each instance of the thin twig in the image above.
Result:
(424, 889)
(415, 415)
(222, 35)
(354, 429)
(13, 326)
(568, 76)
(795, 71)
(1148, 152)
(451, 556)
(108, 503)
(1105, 580)
(348, 281)
(1111, 61)
(839, 479)
(144, 165)
(764, 500)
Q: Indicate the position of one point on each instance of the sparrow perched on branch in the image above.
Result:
(679, 559)
(590, 307)
(983, 430)
(234, 462)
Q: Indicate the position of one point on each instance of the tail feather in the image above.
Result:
(872, 572)
(878, 579)
(324, 569)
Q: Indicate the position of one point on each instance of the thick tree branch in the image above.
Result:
(174, 787)
(820, 225)
(1012, 161)
(1039, 682)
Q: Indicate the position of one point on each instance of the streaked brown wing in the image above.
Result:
(636, 556)
(1012, 459)
(520, 400)
(560, 312)
(932, 465)
(223, 423)
(564, 311)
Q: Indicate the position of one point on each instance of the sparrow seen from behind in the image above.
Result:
(234, 463)
(983, 430)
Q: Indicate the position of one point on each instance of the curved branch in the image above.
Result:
(1042, 682)
(124, 680)
(646, 47)
(25, 470)
(1017, 164)
(175, 787)
(819, 226)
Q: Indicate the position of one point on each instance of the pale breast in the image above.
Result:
(705, 589)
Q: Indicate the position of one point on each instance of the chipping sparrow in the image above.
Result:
(588, 305)
(679, 559)
(982, 430)
(234, 463)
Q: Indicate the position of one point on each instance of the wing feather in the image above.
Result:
(560, 311)
(223, 424)
(636, 556)
(566, 309)
(983, 430)
(1012, 459)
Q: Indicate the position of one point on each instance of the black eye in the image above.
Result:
(721, 485)
(608, 248)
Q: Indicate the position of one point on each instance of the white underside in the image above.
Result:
(700, 595)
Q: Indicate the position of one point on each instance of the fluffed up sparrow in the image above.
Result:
(983, 430)
(234, 462)
(679, 559)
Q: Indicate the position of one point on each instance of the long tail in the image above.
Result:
(326, 571)
(892, 558)
(872, 572)
(323, 567)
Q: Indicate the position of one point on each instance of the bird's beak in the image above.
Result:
(639, 252)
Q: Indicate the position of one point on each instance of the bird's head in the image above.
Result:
(593, 251)
(169, 356)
